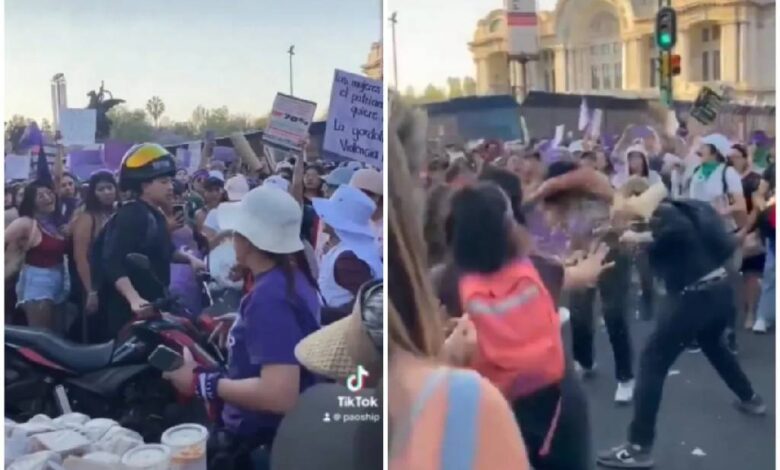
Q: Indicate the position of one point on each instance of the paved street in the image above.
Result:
(696, 411)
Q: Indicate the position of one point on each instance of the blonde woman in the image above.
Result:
(440, 417)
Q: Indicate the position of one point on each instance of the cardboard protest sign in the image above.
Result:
(354, 128)
(705, 108)
(17, 167)
(85, 162)
(289, 123)
(77, 126)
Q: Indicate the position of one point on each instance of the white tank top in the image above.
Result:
(334, 294)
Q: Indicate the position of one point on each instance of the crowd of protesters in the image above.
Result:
(508, 242)
(298, 246)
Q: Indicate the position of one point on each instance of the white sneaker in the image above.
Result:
(625, 392)
(583, 372)
(759, 326)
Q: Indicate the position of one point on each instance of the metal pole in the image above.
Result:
(292, 53)
(393, 21)
(523, 65)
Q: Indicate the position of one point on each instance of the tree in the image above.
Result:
(469, 87)
(155, 107)
(130, 125)
(456, 87)
(261, 122)
(432, 94)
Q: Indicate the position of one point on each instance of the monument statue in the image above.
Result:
(101, 105)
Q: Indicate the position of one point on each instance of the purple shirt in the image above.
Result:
(269, 328)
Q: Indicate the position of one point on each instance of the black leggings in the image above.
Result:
(571, 444)
(614, 285)
(702, 315)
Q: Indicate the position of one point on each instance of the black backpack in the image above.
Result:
(103, 245)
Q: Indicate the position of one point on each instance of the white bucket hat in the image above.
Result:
(348, 210)
(237, 187)
(278, 182)
(719, 141)
(270, 219)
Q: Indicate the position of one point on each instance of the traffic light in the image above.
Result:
(666, 28)
(676, 64)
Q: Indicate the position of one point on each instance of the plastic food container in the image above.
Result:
(147, 457)
(188, 446)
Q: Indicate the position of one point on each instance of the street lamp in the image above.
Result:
(292, 53)
(393, 21)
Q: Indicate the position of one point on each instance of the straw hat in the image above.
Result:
(369, 180)
(336, 350)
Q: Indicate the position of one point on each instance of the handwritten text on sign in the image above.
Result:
(289, 122)
(354, 128)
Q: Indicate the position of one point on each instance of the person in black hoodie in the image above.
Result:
(689, 247)
(139, 226)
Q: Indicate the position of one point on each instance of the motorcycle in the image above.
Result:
(50, 375)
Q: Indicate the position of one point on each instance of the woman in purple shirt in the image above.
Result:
(263, 378)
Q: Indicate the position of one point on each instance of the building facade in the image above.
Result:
(608, 47)
(373, 66)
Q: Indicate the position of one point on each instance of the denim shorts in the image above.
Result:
(37, 284)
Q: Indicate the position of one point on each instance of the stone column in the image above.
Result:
(483, 78)
(559, 63)
(729, 52)
(747, 47)
(634, 59)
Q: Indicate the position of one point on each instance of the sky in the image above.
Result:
(187, 52)
(444, 31)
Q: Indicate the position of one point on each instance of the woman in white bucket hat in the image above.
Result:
(263, 378)
(354, 257)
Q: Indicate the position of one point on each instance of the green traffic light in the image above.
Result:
(665, 39)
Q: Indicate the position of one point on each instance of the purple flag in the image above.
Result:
(759, 138)
(113, 151)
(32, 136)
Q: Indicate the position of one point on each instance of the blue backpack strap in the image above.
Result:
(462, 421)
(400, 440)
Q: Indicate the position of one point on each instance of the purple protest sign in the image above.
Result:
(183, 158)
(85, 162)
(113, 151)
(641, 132)
(224, 154)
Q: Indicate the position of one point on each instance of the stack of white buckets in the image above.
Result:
(182, 447)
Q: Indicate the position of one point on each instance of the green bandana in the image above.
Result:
(708, 168)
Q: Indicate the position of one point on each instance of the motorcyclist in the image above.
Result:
(147, 171)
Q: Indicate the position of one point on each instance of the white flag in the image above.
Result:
(595, 125)
(584, 116)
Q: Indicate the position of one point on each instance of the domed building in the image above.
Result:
(608, 47)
